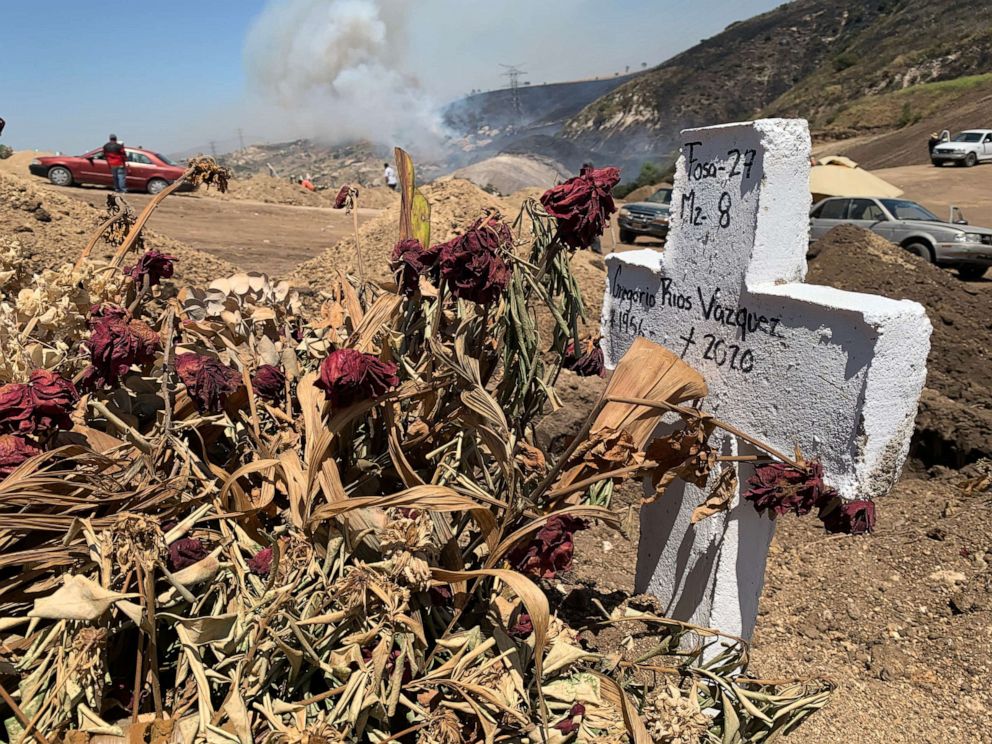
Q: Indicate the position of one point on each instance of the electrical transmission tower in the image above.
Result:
(513, 72)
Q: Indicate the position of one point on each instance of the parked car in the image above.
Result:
(966, 148)
(649, 217)
(956, 245)
(146, 170)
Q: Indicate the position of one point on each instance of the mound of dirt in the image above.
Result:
(455, 205)
(509, 173)
(17, 163)
(954, 424)
(53, 229)
(270, 190)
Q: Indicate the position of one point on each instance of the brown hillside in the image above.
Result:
(809, 58)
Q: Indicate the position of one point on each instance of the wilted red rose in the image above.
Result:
(471, 264)
(185, 552)
(154, 265)
(848, 517)
(582, 205)
(261, 563)
(569, 725)
(108, 310)
(409, 261)
(440, 595)
(779, 488)
(523, 627)
(341, 200)
(269, 382)
(349, 376)
(551, 549)
(207, 380)
(116, 344)
(14, 450)
(38, 406)
(589, 363)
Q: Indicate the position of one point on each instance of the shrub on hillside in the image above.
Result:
(651, 173)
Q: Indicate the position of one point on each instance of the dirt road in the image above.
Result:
(273, 238)
(970, 189)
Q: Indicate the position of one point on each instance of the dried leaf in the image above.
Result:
(720, 497)
(79, 598)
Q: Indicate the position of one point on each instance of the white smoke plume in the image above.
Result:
(337, 69)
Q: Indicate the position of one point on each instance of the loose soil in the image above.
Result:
(455, 205)
(900, 620)
(53, 229)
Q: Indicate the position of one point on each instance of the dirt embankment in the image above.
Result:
(53, 229)
(908, 146)
(954, 425)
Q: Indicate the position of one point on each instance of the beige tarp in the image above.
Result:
(839, 176)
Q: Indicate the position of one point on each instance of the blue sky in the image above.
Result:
(172, 75)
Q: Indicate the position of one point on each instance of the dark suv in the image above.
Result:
(649, 217)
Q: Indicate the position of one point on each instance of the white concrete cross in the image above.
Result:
(837, 373)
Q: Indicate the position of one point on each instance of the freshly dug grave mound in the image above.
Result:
(455, 205)
(52, 230)
(954, 425)
(17, 164)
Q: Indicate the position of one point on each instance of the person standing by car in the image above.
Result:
(116, 157)
(390, 175)
(934, 141)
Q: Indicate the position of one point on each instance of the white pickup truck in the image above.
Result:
(967, 148)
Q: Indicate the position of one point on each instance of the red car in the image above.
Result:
(146, 170)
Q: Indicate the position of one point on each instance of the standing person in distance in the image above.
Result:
(390, 175)
(116, 157)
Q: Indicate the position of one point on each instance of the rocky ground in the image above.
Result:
(53, 229)
(900, 620)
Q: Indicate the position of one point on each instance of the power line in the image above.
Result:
(513, 72)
